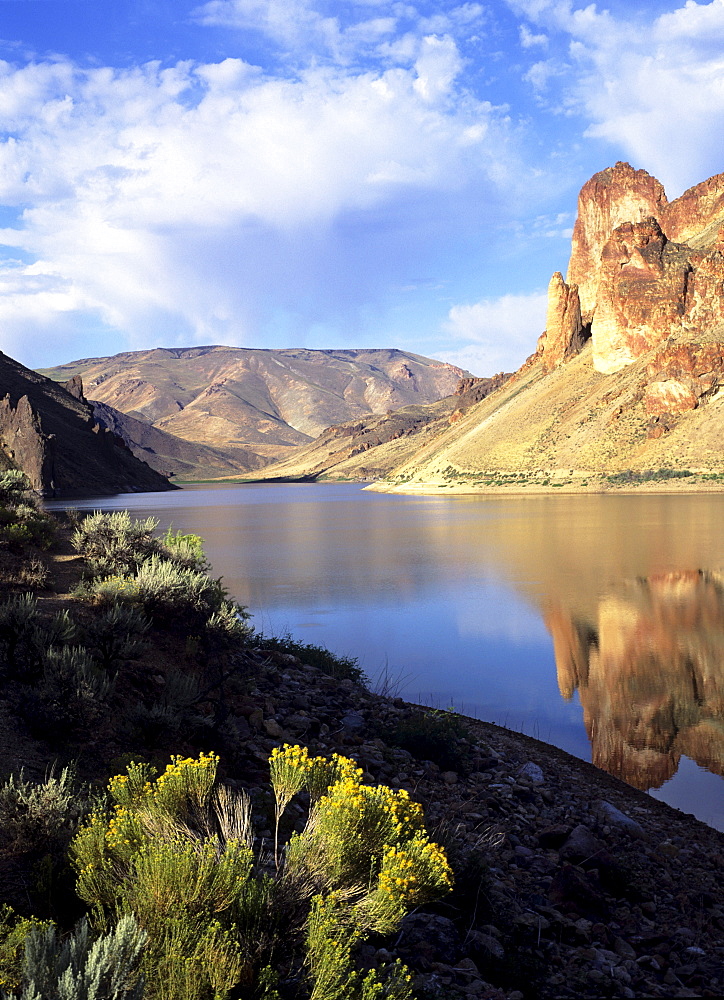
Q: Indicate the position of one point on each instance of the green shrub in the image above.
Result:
(115, 635)
(227, 627)
(22, 524)
(173, 713)
(334, 664)
(113, 543)
(432, 735)
(25, 636)
(35, 814)
(14, 487)
(186, 550)
(14, 931)
(167, 592)
(70, 695)
(176, 851)
(79, 968)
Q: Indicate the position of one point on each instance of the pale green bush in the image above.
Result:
(33, 814)
(186, 550)
(79, 968)
(115, 634)
(113, 543)
(25, 636)
(70, 693)
(22, 524)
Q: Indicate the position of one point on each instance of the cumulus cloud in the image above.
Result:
(174, 203)
(495, 334)
(651, 86)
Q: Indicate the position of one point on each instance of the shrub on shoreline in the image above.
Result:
(176, 852)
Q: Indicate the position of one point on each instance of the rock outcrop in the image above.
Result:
(616, 195)
(565, 333)
(26, 445)
(642, 293)
(52, 435)
(642, 269)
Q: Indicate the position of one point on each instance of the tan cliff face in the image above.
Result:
(643, 268)
(616, 195)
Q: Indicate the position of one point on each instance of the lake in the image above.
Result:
(592, 622)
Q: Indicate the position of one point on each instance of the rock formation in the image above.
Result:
(26, 445)
(565, 333)
(642, 270)
(51, 434)
(616, 195)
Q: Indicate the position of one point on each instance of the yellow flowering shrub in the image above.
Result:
(365, 847)
(170, 850)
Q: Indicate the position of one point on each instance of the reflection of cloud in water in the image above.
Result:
(498, 615)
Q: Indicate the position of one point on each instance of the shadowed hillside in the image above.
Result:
(56, 440)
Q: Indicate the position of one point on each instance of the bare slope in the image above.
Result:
(370, 448)
(567, 426)
(171, 455)
(242, 400)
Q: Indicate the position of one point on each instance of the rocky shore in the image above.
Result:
(569, 882)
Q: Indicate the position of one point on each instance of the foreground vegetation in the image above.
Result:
(153, 884)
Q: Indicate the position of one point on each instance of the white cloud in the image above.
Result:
(653, 86)
(541, 73)
(528, 40)
(495, 334)
(170, 202)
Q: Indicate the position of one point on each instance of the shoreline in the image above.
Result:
(433, 488)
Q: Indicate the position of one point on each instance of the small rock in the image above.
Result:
(605, 812)
(449, 777)
(353, 722)
(581, 847)
(553, 836)
(532, 772)
(256, 718)
(484, 946)
(426, 938)
(623, 949)
(273, 729)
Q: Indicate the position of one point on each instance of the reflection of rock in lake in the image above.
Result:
(649, 673)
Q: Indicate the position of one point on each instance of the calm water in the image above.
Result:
(592, 622)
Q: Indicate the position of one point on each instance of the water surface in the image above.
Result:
(592, 622)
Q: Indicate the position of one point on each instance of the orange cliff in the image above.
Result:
(649, 673)
(643, 271)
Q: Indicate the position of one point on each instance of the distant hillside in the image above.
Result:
(171, 455)
(372, 447)
(627, 384)
(254, 405)
(55, 439)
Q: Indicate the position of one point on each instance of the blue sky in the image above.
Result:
(285, 173)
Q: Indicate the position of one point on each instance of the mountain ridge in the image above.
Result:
(256, 404)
